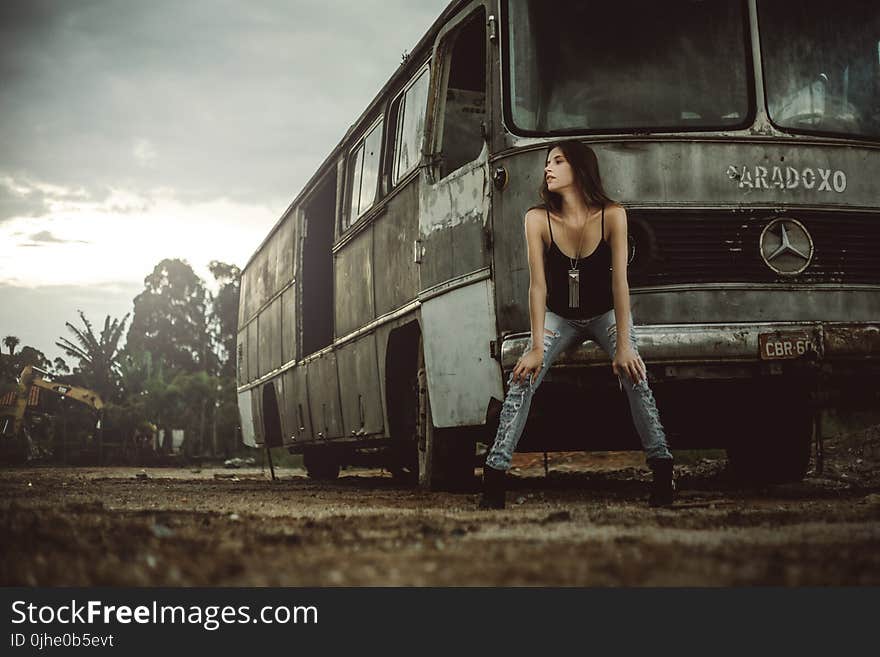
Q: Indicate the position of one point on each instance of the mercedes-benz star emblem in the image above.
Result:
(786, 246)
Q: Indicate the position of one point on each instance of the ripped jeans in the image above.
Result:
(562, 334)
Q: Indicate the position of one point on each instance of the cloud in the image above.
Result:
(135, 131)
(98, 93)
(25, 197)
(14, 204)
(37, 315)
(124, 237)
(143, 151)
(46, 236)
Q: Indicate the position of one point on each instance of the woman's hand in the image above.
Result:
(529, 365)
(627, 361)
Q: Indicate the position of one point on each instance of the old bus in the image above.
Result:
(381, 316)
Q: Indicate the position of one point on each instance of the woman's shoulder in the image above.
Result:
(615, 213)
(536, 223)
(615, 220)
(539, 210)
(537, 214)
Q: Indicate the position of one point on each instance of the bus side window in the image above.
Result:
(464, 107)
(363, 174)
(409, 116)
(355, 171)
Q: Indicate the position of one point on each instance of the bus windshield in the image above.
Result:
(821, 67)
(575, 66)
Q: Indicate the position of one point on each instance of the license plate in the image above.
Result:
(784, 344)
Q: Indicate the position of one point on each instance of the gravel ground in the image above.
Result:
(586, 524)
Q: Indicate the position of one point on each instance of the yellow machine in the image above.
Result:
(32, 377)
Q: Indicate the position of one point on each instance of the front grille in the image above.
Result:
(723, 247)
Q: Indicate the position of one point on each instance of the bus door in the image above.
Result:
(456, 290)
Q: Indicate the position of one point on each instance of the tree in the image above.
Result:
(98, 355)
(224, 317)
(225, 418)
(7, 374)
(228, 440)
(11, 366)
(135, 372)
(11, 343)
(170, 319)
(30, 356)
(197, 393)
(163, 405)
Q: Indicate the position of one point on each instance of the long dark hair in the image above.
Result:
(585, 165)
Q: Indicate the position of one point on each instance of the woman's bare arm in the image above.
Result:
(617, 239)
(535, 222)
(531, 362)
(625, 357)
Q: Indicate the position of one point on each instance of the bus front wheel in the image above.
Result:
(772, 450)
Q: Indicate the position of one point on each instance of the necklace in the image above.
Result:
(574, 274)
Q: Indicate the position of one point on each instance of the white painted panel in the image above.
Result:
(462, 375)
(246, 412)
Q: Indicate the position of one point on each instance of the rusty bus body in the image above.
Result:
(380, 317)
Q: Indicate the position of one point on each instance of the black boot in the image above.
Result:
(663, 486)
(493, 488)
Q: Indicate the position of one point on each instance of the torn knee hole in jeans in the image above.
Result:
(612, 336)
(516, 402)
(649, 405)
(509, 411)
(549, 337)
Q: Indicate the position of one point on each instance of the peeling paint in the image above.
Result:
(459, 198)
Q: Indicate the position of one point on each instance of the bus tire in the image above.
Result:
(402, 393)
(445, 456)
(321, 464)
(771, 451)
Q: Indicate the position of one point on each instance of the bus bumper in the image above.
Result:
(729, 351)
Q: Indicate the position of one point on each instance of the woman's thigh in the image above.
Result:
(603, 331)
(559, 335)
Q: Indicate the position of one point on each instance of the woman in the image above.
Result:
(577, 251)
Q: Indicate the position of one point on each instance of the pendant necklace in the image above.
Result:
(574, 274)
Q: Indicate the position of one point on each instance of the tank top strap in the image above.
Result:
(549, 225)
(603, 223)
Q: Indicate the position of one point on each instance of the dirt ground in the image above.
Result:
(586, 524)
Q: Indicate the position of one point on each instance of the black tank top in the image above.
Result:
(595, 279)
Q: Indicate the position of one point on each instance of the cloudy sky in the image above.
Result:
(134, 131)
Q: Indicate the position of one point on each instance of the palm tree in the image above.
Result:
(98, 355)
(11, 343)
